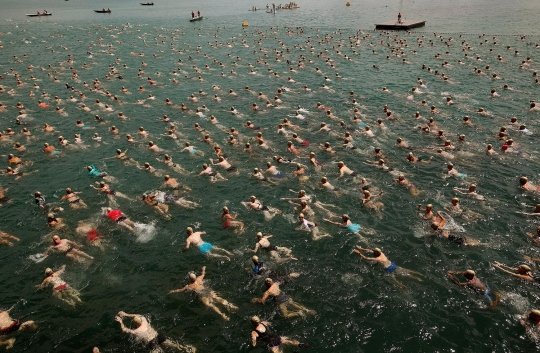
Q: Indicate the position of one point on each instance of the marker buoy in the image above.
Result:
(348, 4)
(245, 24)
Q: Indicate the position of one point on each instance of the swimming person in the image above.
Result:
(120, 218)
(262, 332)
(475, 283)
(230, 221)
(74, 201)
(531, 323)
(204, 247)
(523, 271)
(256, 205)
(308, 226)
(61, 289)
(288, 307)
(8, 326)
(437, 228)
(5, 238)
(147, 335)
(275, 251)
(345, 223)
(390, 267)
(67, 247)
(207, 296)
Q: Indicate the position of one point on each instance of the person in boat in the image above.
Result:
(198, 13)
(399, 17)
(192, 14)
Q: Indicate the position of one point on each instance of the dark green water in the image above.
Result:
(359, 308)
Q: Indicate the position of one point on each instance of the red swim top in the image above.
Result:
(114, 215)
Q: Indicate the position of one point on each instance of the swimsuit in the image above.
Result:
(226, 224)
(455, 239)
(268, 337)
(488, 294)
(205, 247)
(354, 227)
(270, 248)
(391, 268)
(14, 326)
(231, 169)
(281, 298)
(60, 287)
(75, 201)
(278, 175)
(156, 341)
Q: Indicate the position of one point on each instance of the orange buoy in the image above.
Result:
(348, 4)
(245, 24)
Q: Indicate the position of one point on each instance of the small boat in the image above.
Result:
(38, 14)
(102, 11)
(195, 18)
(147, 3)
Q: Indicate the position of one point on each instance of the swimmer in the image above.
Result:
(412, 188)
(9, 326)
(262, 332)
(214, 176)
(523, 271)
(308, 226)
(275, 251)
(437, 228)
(68, 247)
(390, 267)
(106, 189)
(61, 289)
(344, 170)
(474, 283)
(256, 205)
(206, 295)
(5, 239)
(345, 223)
(161, 208)
(288, 307)
(147, 335)
(367, 201)
(230, 221)
(525, 185)
(74, 201)
(471, 191)
(531, 323)
(119, 217)
(204, 247)
(222, 162)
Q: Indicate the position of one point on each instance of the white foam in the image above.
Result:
(145, 232)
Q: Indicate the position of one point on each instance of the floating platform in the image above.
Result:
(400, 26)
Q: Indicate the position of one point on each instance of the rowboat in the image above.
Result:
(102, 11)
(38, 15)
(195, 18)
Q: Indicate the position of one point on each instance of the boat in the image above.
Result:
(195, 18)
(103, 11)
(147, 3)
(38, 14)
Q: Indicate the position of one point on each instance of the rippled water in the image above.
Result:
(359, 308)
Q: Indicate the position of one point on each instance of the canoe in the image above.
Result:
(101, 11)
(36, 15)
(195, 18)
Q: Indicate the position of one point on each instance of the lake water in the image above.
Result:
(359, 308)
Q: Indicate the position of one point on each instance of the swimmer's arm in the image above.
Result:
(179, 290)
(124, 328)
(263, 299)
(256, 247)
(254, 336)
(187, 244)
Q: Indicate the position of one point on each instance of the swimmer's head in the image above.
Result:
(68, 191)
(137, 320)
(189, 230)
(167, 177)
(37, 194)
(192, 277)
(524, 269)
(118, 150)
(109, 209)
(340, 164)
(435, 225)
(345, 216)
(259, 235)
(268, 281)
(377, 252)
(48, 271)
(102, 183)
(255, 258)
(146, 164)
(255, 320)
(324, 179)
(252, 198)
(367, 193)
(225, 208)
(523, 180)
(469, 274)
